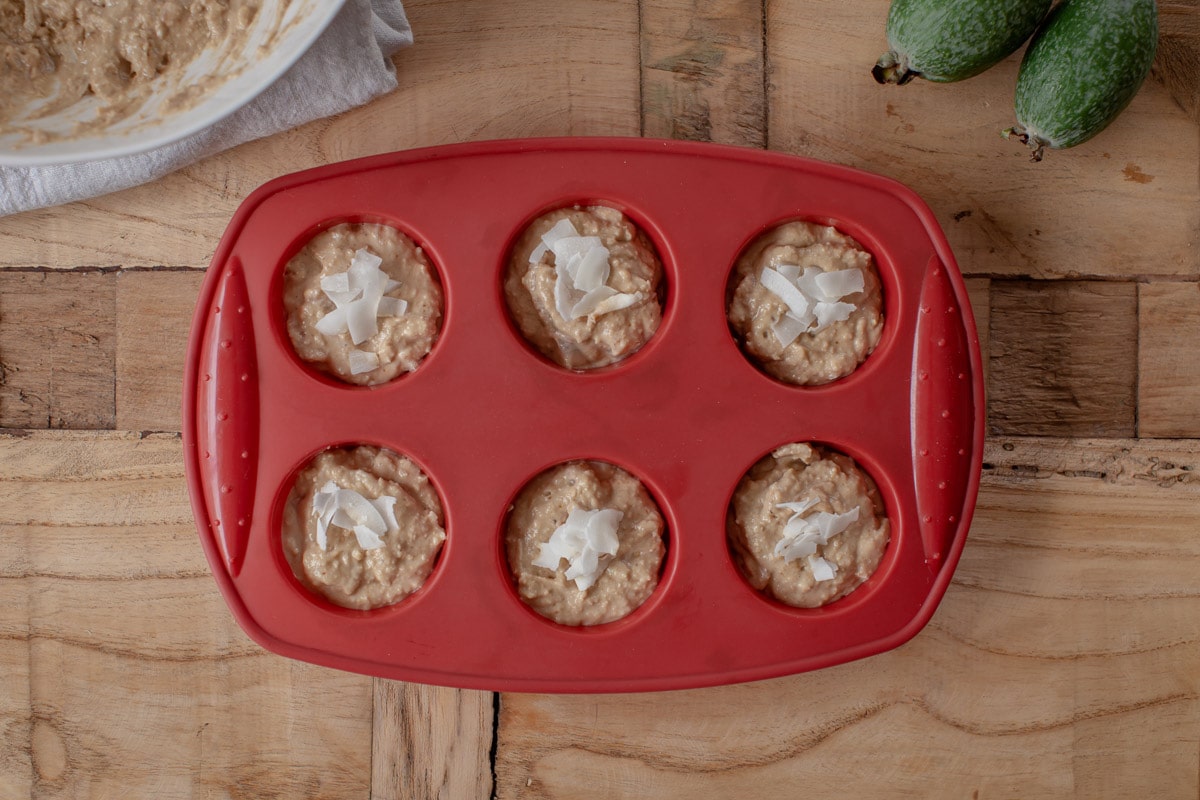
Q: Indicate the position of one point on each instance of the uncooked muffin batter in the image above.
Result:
(343, 571)
(401, 340)
(61, 50)
(591, 340)
(817, 356)
(826, 482)
(545, 503)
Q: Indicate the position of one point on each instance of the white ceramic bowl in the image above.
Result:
(282, 31)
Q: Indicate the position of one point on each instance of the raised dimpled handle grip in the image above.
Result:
(942, 422)
(227, 417)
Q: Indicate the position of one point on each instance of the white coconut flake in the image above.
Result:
(591, 301)
(799, 547)
(602, 530)
(324, 498)
(386, 506)
(571, 249)
(831, 525)
(602, 301)
(587, 541)
(618, 302)
(362, 320)
(807, 283)
(548, 556)
(838, 284)
(789, 271)
(564, 295)
(324, 506)
(333, 323)
(786, 291)
(392, 307)
(358, 298)
(789, 328)
(592, 271)
(581, 270)
(336, 283)
(343, 299)
(354, 509)
(800, 507)
(797, 528)
(822, 570)
(805, 531)
(584, 569)
(364, 262)
(362, 361)
(813, 298)
(561, 229)
(829, 313)
(367, 519)
(367, 538)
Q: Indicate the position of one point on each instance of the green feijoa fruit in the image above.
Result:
(949, 40)
(1082, 69)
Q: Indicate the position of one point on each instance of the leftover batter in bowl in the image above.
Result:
(584, 541)
(56, 51)
(805, 303)
(584, 286)
(362, 526)
(363, 303)
(806, 526)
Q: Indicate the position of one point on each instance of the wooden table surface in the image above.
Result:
(1064, 660)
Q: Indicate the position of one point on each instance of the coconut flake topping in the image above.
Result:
(362, 361)
(358, 298)
(812, 298)
(587, 540)
(581, 271)
(822, 570)
(805, 531)
(368, 519)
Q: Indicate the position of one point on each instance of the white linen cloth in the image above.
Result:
(347, 66)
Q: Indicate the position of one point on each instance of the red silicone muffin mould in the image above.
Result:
(483, 413)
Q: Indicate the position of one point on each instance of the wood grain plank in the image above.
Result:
(1070, 216)
(477, 71)
(1078, 575)
(1124, 462)
(16, 714)
(1168, 366)
(1178, 60)
(141, 683)
(430, 742)
(1063, 358)
(57, 349)
(153, 317)
(702, 71)
(16, 710)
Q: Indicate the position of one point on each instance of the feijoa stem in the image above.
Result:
(892, 68)
(1035, 143)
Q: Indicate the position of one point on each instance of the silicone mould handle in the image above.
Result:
(941, 425)
(227, 417)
